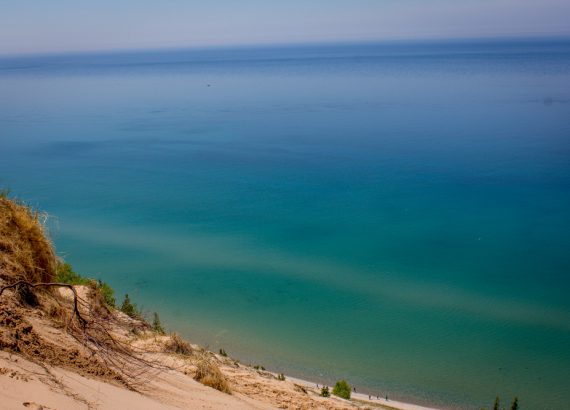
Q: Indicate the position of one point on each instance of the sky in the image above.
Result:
(43, 26)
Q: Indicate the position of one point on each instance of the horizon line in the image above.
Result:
(432, 39)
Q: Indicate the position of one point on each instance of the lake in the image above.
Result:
(394, 214)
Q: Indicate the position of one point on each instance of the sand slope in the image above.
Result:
(26, 384)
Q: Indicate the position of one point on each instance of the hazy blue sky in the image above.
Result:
(62, 25)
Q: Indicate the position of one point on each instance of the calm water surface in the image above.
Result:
(397, 215)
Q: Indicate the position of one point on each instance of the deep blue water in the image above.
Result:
(394, 214)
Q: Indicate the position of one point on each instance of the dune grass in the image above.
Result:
(178, 345)
(26, 252)
(209, 374)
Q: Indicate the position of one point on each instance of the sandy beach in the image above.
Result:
(361, 397)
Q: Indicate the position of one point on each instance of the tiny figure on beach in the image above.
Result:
(354, 388)
(369, 397)
(386, 397)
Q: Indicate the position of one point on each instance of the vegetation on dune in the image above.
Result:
(325, 392)
(130, 308)
(26, 252)
(108, 293)
(497, 404)
(156, 325)
(342, 389)
(178, 345)
(66, 274)
(209, 374)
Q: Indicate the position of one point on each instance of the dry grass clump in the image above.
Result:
(58, 312)
(209, 374)
(178, 345)
(26, 253)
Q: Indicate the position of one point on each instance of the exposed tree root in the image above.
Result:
(91, 327)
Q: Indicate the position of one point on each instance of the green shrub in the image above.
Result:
(342, 389)
(515, 404)
(223, 353)
(130, 308)
(108, 293)
(156, 325)
(66, 274)
(497, 403)
(325, 392)
(281, 377)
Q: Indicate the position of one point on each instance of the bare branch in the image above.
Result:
(50, 284)
(95, 335)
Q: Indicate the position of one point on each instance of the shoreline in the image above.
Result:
(362, 397)
(306, 382)
(357, 398)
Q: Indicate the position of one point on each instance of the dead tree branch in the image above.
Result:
(50, 284)
(94, 332)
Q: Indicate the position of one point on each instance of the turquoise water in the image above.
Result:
(397, 214)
